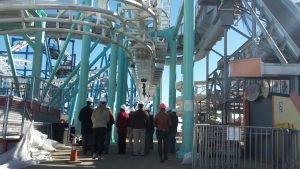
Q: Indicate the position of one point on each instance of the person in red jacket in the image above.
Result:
(121, 124)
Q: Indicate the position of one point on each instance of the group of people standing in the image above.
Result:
(137, 125)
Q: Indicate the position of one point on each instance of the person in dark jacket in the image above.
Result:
(121, 124)
(86, 125)
(109, 127)
(163, 123)
(173, 131)
(139, 124)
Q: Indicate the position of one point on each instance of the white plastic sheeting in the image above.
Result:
(32, 149)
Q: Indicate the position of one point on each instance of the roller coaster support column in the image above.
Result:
(112, 82)
(11, 63)
(188, 72)
(169, 34)
(112, 76)
(125, 84)
(172, 82)
(120, 80)
(38, 56)
(84, 72)
(132, 90)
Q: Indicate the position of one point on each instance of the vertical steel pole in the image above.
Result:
(125, 76)
(84, 72)
(37, 61)
(207, 88)
(112, 83)
(112, 76)
(120, 80)
(225, 76)
(172, 82)
(188, 72)
(11, 63)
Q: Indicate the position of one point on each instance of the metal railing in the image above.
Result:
(15, 116)
(230, 147)
(30, 89)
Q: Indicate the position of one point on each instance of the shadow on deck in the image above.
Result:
(113, 161)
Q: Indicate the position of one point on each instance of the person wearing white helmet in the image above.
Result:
(139, 124)
(86, 125)
(121, 124)
(100, 118)
(129, 131)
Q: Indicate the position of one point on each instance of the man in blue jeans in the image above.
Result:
(100, 118)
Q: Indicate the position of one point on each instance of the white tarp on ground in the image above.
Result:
(33, 148)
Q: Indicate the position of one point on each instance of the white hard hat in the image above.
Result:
(108, 107)
(102, 99)
(132, 109)
(89, 99)
(140, 102)
(123, 107)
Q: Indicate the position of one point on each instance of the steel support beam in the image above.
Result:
(120, 80)
(188, 72)
(178, 23)
(11, 63)
(225, 78)
(37, 61)
(112, 76)
(172, 78)
(62, 52)
(84, 71)
(125, 84)
(112, 83)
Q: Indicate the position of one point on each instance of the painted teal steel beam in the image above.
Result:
(179, 20)
(112, 76)
(89, 81)
(95, 44)
(84, 71)
(11, 63)
(120, 77)
(172, 81)
(74, 72)
(28, 40)
(71, 114)
(62, 53)
(125, 83)
(188, 72)
(37, 61)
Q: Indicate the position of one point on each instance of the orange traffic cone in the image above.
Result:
(73, 156)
